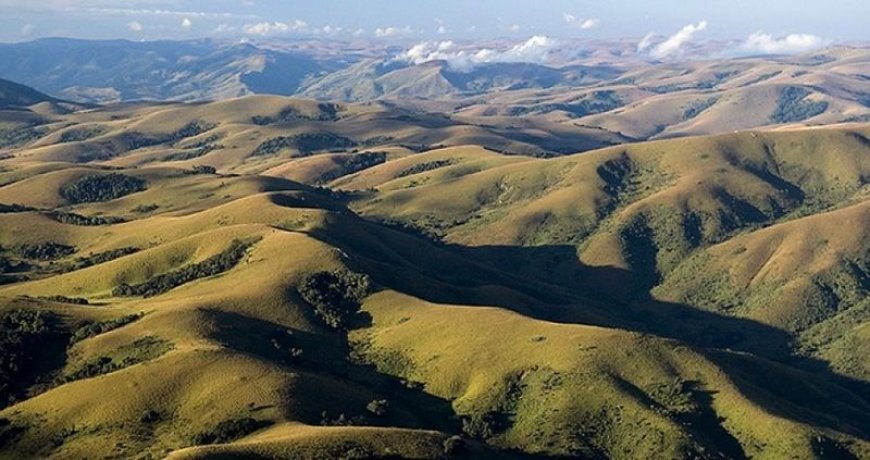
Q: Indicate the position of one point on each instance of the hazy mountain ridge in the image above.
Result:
(626, 98)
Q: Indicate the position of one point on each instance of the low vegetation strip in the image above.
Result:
(98, 258)
(212, 266)
(139, 351)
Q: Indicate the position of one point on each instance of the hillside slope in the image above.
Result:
(640, 301)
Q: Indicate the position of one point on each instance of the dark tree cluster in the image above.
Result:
(96, 328)
(43, 251)
(78, 219)
(355, 163)
(65, 299)
(792, 106)
(230, 430)
(200, 169)
(696, 107)
(101, 187)
(423, 167)
(601, 101)
(25, 336)
(10, 208)
(335, 296)
(80, 134)
(377, 140)
(18, 136)
(209, 267)
(326, 112)
(137, 140)
(305, 143)
(341, 419)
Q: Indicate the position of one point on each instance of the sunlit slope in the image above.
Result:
(259, 133)
(580, 390)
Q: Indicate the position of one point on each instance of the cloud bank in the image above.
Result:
(574, 21)
(534, 50)
(393, 31)
(264, 29)
(762, 43)
(674, 44)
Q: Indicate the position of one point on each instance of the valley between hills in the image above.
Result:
(673, 276)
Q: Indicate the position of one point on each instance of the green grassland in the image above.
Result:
(700, 297)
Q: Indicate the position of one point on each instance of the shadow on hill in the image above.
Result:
(550, 283)
(326, 355)
(761, 354)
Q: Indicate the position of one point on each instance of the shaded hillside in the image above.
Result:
(660, 213)
(13, 95)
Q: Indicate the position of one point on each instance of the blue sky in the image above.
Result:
(828, 20)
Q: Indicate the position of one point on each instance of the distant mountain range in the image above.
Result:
(108, 71)
(622, 95)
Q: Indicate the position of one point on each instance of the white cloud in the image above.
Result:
(27, 30)
(442, 27)
(534, 50)
(135, 26)
(186, 24)
(590, 23)
(645, 43)
(359, 32)
(393, 31)
(224, 28)
(674, 43)
(587, 23)
(763, 43)
(271, 28)
(329, 30)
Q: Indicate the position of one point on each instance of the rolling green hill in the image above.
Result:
(278, 278)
